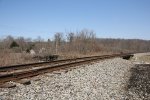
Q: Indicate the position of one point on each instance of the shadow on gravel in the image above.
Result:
(140, 80)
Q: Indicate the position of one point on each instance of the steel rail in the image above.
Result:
(14, 76)
(24, 66)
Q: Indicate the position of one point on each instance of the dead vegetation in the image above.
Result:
(9, 58)
(71, 45)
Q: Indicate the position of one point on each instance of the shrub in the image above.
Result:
(14, 44)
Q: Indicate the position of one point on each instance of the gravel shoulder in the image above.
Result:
(139, 82)
(104, 80)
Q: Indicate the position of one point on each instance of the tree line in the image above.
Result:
(81, 42)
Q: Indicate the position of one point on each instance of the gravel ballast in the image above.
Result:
(139, 82)
(104, 80)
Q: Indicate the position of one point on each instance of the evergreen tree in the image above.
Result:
(14, 44)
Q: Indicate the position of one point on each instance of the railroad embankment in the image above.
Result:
(110, 79)
(105, 79)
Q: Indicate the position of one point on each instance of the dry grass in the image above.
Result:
(142, 57)
(9, 58)
(14, 58)
(145, 58)
(76, 54)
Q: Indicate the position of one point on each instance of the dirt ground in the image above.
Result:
(139, 82)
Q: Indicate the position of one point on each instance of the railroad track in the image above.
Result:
(18, 72)
(31, 65)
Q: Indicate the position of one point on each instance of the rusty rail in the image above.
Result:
(41, 68)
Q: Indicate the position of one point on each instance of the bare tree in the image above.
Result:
(58, 38)
(39, 39)
(70, 37)
(22, 43)
(7, 41)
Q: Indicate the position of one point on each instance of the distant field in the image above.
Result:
(143, 57)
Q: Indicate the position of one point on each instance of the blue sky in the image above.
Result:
(108, 18)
